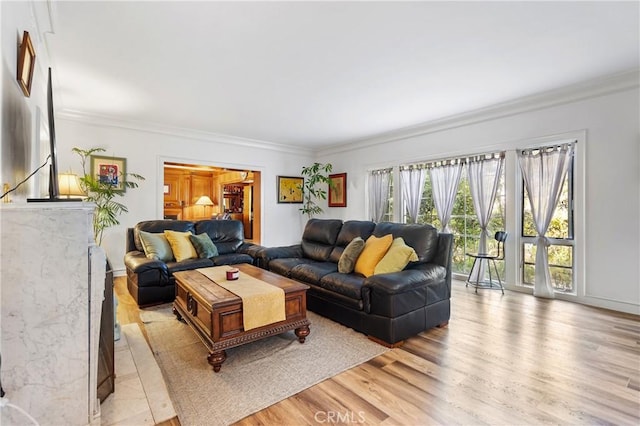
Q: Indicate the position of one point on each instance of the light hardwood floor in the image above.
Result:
(503, 360)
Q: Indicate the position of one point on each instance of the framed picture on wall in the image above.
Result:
(109, 170)
(338, 190)
(290, 189)
(26, 64)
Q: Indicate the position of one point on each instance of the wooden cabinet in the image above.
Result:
(173, 194)
(233, 198)
(182, 188)
(201, 185)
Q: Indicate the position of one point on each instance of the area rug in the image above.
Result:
(255, 375)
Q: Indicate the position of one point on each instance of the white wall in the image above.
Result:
(18, 118)
(612, 163)
(146, 150)
(608, 115)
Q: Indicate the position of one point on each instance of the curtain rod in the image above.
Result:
(548, 148)
(456, 160)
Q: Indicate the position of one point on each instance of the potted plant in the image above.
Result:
(103, 194)
(313, 189)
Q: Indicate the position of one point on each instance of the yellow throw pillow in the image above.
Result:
(181, 245)
(398, 256)
(374, 250)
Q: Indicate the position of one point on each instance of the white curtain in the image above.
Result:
(378, 193)
(544, 171)
(484, 177)
(444, 185)
(412, 183)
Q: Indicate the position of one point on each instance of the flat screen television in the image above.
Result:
(54, 190)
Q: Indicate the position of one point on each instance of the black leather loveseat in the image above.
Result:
(388, 307)
(151, 281)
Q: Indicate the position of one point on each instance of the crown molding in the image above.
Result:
(573, 93)
(590, 89)
(184, 133)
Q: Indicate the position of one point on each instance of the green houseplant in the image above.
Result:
(103, 194)
(313, 189)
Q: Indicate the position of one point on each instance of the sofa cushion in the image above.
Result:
(312, 272)
(203, 245)
(158, 227)
(349, 285)
(350, 255)
(350, 230)
(156, 246)
(331, 302)
(423, 238)
(319, 237)
(397, 257)
(374, 249)
(283, 266)
(227, 235)
(181, 245)
(189, 264)
(231, 259)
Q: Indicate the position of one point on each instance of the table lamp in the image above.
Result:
(204, 201)
(69, 185)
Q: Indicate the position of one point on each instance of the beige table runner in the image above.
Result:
(262, 303)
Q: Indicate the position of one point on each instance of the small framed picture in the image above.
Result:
(338, 190)
(290, 189)
(109, 170)
(26, 64)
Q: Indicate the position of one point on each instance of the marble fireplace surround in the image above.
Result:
(51, 290)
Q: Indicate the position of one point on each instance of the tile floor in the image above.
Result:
(140, 396)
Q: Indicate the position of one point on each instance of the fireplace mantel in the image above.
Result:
(51, 290)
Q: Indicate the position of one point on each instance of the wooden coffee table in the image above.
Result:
(215, 314)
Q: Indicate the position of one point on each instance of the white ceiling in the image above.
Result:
(314, 74)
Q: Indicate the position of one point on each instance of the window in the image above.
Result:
(388, 216)
(464, 222)
(560, 235)
(566, 230)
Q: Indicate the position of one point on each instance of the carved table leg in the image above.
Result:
(302, 333)
(216, 359)
(177, 314)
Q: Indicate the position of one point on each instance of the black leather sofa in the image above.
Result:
(151, 281)
(388, 307)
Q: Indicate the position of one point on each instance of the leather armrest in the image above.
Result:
(138, 263)
(249, 248)
(394, 294)
(396, 282)
(445, 250)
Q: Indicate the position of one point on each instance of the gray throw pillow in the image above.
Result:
(349, 255)
(204, 246)
(156, 246)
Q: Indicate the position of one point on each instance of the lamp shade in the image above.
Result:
(69, 184)
(204, 201)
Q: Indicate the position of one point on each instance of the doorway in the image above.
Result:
(197, 192)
